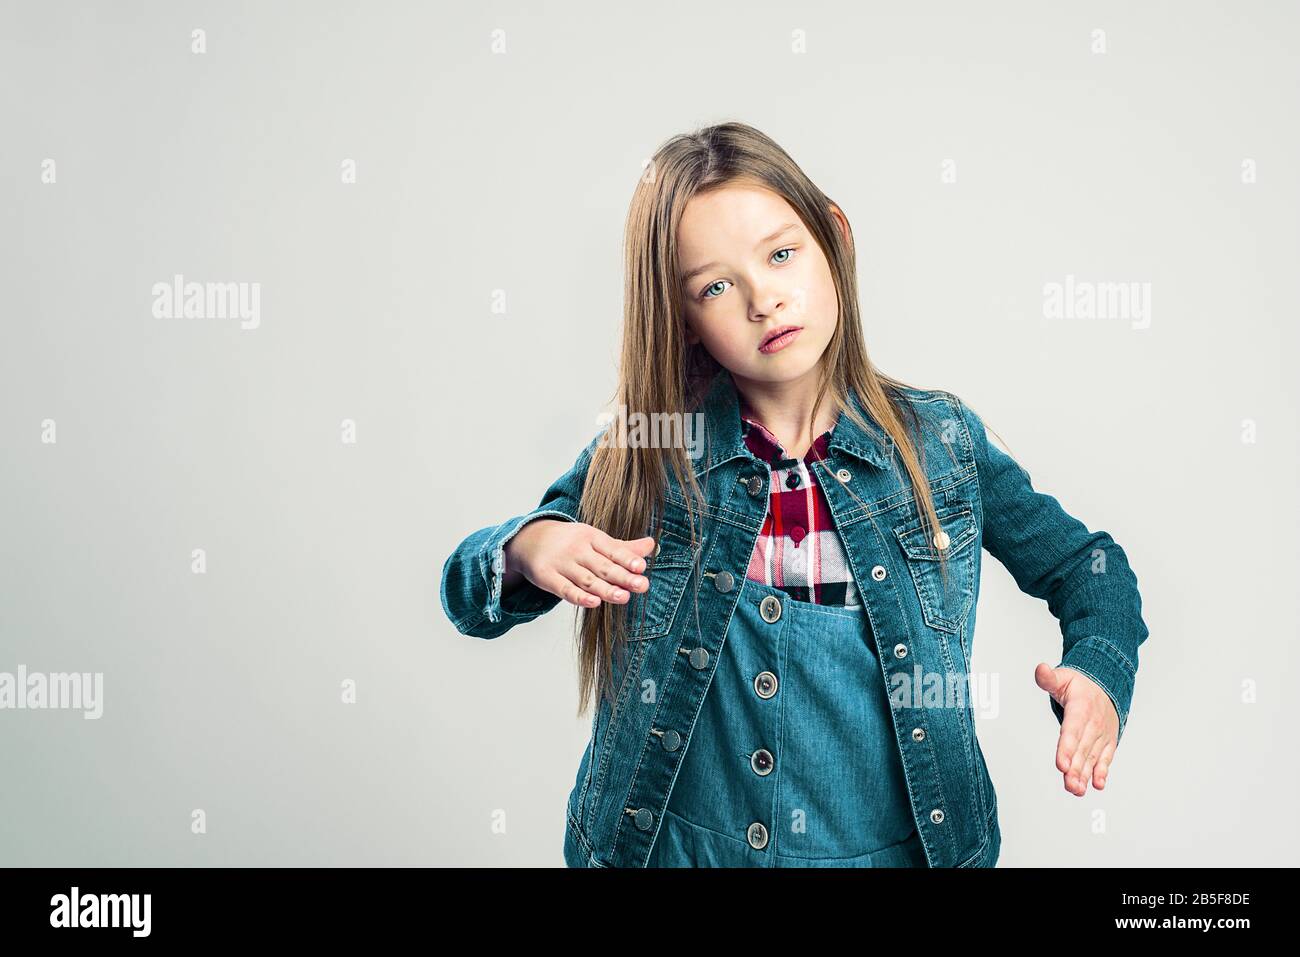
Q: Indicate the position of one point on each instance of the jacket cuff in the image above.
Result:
(1097, 658)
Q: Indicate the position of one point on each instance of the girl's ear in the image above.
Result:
(843, 223)
(691, 338)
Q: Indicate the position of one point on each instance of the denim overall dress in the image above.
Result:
(793, 760)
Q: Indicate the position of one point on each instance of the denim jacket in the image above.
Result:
(921, 625)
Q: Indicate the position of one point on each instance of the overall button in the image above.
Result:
(918, 734)
(757, 836)
(754, 485)
(765, 684)
(723, 582)
(699, 658)
(879, 573)
(900, 650)
(937, 816)
(644, 819)
(770, 608)
(762, 762)
(941, 539)
(671, 740)
(844, 475)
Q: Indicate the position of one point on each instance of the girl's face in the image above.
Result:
(751, 268)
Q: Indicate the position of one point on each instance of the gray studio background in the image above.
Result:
(479, 171)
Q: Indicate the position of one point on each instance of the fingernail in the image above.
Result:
(620, 594)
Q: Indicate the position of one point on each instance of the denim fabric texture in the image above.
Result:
(919, 624)
(794, 762)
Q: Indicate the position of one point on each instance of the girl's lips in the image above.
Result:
(780, 342)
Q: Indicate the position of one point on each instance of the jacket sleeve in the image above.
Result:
(1083, 576)
(472, 575)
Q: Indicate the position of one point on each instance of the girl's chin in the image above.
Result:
(777, 372)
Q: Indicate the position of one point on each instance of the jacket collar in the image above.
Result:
(722, 423)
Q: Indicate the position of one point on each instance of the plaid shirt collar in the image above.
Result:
(725, 441)
(767, 447)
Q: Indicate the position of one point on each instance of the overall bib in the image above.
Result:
(793, 761)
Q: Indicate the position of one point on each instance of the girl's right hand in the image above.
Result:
(578, 562)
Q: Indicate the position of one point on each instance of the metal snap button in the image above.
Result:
(879, 573)
(900, 650)
(937, 816)
(765, 684)
(918, 734)
(770, 608)
(657, 547)
(844, 475)
(754, 485)
(941, 540)
(644, 819)
(757, 835)
(699, 658)
(671, 740)
(723, 581)
(762, 762)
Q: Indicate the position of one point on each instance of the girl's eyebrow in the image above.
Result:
(781, 230)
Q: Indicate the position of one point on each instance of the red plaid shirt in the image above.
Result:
(798, 551)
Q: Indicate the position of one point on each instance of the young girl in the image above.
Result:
(806, 705)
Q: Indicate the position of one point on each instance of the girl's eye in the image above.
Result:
(724, 282)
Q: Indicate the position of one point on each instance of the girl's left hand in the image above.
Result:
(1089, 730)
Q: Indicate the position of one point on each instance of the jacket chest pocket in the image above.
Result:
(650, 614)
(945, 599)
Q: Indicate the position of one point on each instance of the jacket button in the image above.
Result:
(762, 762)
(671, 740)
(644, 819)
(754, 485)
(699, 658)
(937, 816)
(757, 835)
(657, 546)
(900, 650)
(723, 582)
(765, 684)
(941, 539)
(770, 608)
(844, 475)
(879, 573)
(918, 734)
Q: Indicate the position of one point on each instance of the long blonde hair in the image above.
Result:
(659, 371)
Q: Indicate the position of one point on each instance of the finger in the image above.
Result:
(626, 560)
(614, 582)
(1047, 679)
(558, 584)
(1103, 765)
(592, 583)
(1074, 776)
(1071, 737)
(1094, 752)
(629, 553)
(1071, 749)
(1091, 740)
